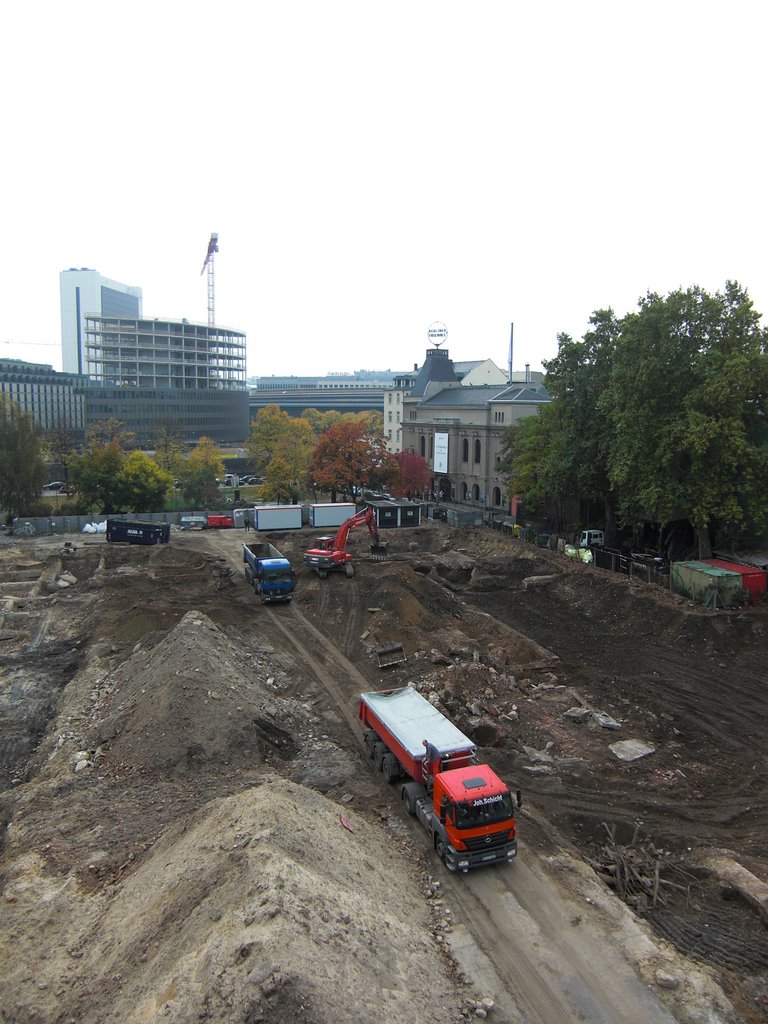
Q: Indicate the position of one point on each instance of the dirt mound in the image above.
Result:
(191, 699)
(274, 904)
(230, 919)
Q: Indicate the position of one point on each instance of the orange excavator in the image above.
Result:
(331, 553)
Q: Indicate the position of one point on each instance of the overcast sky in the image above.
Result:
(371, 168)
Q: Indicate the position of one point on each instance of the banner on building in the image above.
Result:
(441, 453)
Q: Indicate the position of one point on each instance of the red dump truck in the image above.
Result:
(467, 810)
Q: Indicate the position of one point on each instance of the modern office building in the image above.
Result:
(360, 379)
(65, 401)
(221, 416)
(158, 372)
(85, 291)
(356, 392)
(54, 400)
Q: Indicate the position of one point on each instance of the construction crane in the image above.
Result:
(213, 246)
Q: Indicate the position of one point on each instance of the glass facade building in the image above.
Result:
(84, 291)
(220, 415)
(54, 400)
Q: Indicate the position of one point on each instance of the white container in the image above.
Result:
(278, 517)
(331, 513)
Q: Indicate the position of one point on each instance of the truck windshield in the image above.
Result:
(278, 575)
(484, 811)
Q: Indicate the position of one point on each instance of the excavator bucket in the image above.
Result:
(390, 654)
(379, 551)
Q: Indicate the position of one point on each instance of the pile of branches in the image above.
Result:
(638, 871)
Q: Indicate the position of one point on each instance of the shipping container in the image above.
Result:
(277, 517)
(219, 521)
(193, 521)
(134, 531)
(331, 513)
(713, 587)
(753, 580)
(390, 514)
(410, 513)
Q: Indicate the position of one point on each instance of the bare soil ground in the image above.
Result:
(192, 831)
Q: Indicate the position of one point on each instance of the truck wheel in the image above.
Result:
(379, 753)
(369, 742)
(349, 569)
(390, 768)
(408, 803)
(441, 848)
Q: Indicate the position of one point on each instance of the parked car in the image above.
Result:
(55, 485)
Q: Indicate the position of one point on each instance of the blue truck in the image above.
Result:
(268, 571)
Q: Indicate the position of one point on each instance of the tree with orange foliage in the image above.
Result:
(346, 458)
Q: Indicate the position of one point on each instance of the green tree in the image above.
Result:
(110, 431)
(22, 466)
(530, 460)
(372, 421)
(169, 449)
(199, 473)
(580, 432)
(145, 484)
(321, 421)
(687, 401)
(62, 448)
(275, 434)
(96, 477)
(278, 483)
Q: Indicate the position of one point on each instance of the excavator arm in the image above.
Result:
(331, 552)
(365, 515)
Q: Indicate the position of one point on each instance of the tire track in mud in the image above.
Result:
(533, 936)
(326, 662)
(352, 616)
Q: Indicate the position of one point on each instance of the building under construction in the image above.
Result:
(151, 372)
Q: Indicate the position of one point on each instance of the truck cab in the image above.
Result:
(474, 818)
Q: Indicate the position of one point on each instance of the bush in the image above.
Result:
(37, 508)
(74, 507)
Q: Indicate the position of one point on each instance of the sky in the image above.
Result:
(374, 168)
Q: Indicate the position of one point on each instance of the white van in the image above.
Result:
(592, 539)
